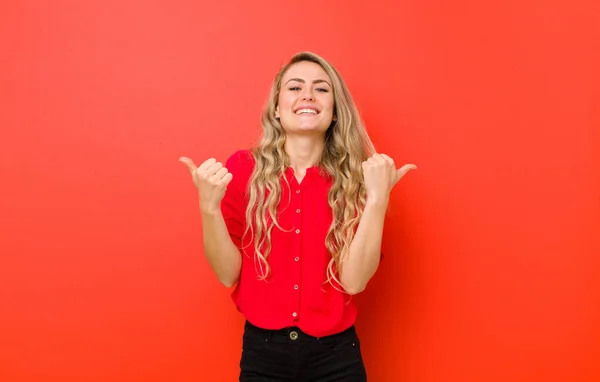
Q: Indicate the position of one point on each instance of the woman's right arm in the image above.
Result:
(223, 256)
(211, 179)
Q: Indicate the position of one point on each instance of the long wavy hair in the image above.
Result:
(347, 145)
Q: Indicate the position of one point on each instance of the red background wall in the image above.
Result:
(492, 267)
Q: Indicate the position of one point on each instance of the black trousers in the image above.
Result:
(292, 355)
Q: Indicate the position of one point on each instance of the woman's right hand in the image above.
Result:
(211, 179)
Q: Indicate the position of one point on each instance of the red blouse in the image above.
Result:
(295, 293)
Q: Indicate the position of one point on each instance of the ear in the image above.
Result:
(334, 119)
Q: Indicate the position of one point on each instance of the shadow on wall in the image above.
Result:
(388, 306)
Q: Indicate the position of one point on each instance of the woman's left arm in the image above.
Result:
(381, 176)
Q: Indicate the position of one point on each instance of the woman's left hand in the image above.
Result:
(381, 176)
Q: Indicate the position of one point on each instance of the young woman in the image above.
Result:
(297, 223)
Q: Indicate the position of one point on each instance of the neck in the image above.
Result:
(304, 151)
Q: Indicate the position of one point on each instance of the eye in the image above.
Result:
(294, 88)
(322, 90)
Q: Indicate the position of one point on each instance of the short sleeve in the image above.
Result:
(233, 203)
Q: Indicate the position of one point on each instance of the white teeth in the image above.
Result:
(306, 111)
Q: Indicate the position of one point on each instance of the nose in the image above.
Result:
(307, 95)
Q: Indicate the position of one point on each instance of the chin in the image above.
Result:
(306, 130)
(307, 126)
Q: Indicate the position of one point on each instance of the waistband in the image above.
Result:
(296, 333)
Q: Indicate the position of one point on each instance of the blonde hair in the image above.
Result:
(347, 145)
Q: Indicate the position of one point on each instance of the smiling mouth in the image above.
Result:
(306, 112)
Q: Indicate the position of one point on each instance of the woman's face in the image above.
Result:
(306, 100)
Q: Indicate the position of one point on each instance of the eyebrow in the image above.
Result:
(302, 81)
